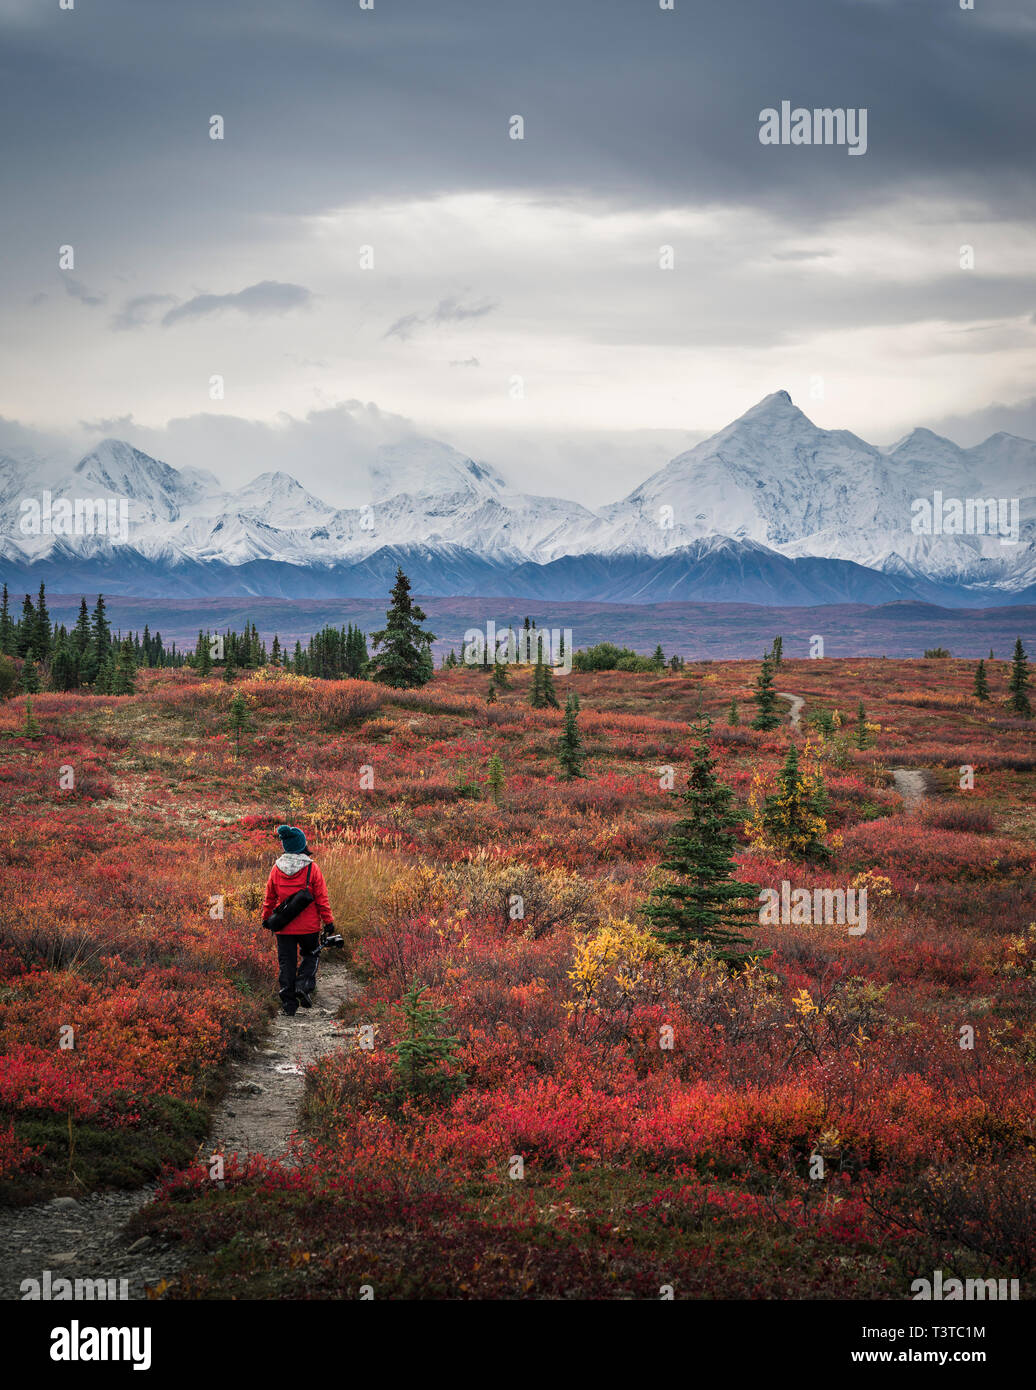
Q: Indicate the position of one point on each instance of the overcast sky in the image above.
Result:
(796, 267)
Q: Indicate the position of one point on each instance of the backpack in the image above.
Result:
(286, 912)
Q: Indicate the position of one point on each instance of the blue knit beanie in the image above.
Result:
(293, 839)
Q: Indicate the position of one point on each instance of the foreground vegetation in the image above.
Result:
(556, 1103)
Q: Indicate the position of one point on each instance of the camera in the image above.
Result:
(330, 937)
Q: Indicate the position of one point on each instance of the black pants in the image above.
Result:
(297, 957)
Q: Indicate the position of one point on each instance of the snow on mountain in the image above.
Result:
(770, 476)
(725, 516)
(774, 477)
(278, 495)
(428, 468)
(157, 491)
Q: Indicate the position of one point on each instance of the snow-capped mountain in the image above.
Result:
(771, 506)
(773, 477)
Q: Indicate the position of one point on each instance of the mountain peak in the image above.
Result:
(276, 493)
(778, 405)
(425, 467)
(920, 435)
(775, 400)
(275, 478)
(116, 455)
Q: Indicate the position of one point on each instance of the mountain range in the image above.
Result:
(770, 510)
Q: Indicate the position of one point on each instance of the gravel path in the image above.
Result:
(259, 1113)
(911, 783)
(86, 1238)
(795, 713)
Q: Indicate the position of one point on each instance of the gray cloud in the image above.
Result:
(110, 426)
(968, 430)
(627, 109)
(79, 291)
(267, 297)
(449, 310)
(794, 255)
(432, 89)
(141, 310)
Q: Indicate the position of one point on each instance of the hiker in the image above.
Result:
(299, 942)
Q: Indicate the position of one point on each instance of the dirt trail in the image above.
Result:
(260, 1110)
(911, 783)
(86, 1238)
(795, 713)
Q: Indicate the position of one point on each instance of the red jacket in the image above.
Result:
(281, 885)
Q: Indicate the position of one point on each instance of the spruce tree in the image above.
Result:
(7, 629)
(1018, 684)
(981, 691)
(89, 664)
(203, 655)
(26, 635)
(64, 666)
(41, 641)
(792, 818)
(123, 680)
(402, 661)
(30, 681)
(705, 902)
(31, 729)
(356, 655)
(496, 778)
(425, 1057)
(733, 714)
(570, 744)
(105, 682)
(766, 716)
(101, 629)
(658, 659)
(81, 631)
(237, 714)
(824, 720)
(550, 698)
(536, 696)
